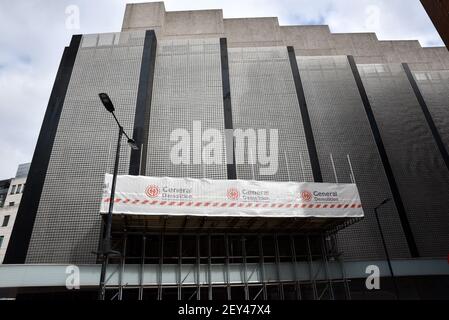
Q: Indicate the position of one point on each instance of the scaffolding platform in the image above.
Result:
(180, 224)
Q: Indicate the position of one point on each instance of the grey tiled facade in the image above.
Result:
(434, 87)
(264, 97)
(67, 226)
(418, 167)
(187, 88)
(348, 153)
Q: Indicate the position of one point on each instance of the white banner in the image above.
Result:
(203, 197)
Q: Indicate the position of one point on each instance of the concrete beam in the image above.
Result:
(45, 275)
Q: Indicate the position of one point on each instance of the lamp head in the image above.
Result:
(133, 144)
(106, 102)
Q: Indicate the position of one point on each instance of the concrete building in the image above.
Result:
(10, 206)
(349, 108)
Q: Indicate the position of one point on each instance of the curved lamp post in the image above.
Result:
(385, 247)
(106, 249)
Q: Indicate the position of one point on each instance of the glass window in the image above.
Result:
(1, 240)
(19, 188)
(106, 39)
(420, 76)
(11, 204)
(380, 68)
(5, 221)
(117, 38)
(13, 189)
(23, 188)
(89, 40)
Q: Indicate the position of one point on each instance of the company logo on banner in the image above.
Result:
(152, 191)
(233, 194)
(206, 197)
(306, 195)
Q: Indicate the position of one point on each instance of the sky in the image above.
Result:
(35, 32)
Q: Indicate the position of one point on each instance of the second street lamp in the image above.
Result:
(385, 247)
(106, 249)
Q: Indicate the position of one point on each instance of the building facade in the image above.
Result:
(10, 206)
(348, 108)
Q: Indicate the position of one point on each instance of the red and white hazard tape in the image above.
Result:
(235, 204)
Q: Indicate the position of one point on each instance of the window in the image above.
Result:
(11, 204)
(13, 189)
(1, 240)
(23, 188)
(420, 76)
(5, 221)
(380, 68)
(19, 188)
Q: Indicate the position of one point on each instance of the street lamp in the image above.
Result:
(385, 246)
(106, 249)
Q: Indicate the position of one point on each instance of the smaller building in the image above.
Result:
(11, 191)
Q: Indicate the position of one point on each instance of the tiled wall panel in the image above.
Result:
(418, 167)
(434, 87)
(264, 97)
(344, 139)
(67, 226)
(187, 88)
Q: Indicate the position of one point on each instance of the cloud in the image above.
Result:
(391, 20)
(31, 48)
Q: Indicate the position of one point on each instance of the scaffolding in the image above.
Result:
(206, 264)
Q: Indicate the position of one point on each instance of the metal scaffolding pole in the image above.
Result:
(343, 271)
(228, 281)
(312, 276)
(262, 268)
(161, 262)
(345, 280)
(245, 273)
(294, 263)
(142, 268)
(122, 267)
(278, 261)
(209, 266)
(326, 267)
(180, 267)
(198, 268)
